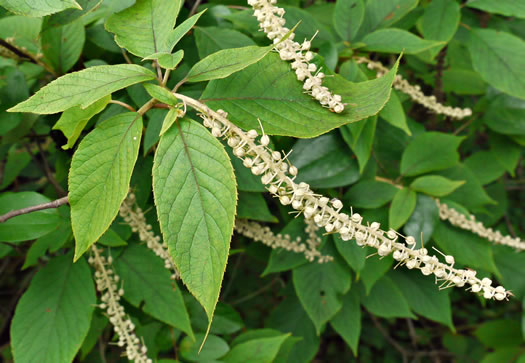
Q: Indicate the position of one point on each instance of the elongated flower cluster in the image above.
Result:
(469, 223)
(264, 235)
(271, 21)
(106, 281)
(430, 102)
(137, 222)
(278, 176)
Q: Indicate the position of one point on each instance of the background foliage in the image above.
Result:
(273, 304)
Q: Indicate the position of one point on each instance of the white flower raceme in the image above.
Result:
(137, 222)
(106, 281)
(278, 176)
(264, 235)
(416, 94)
(271, 21)
(470, 224)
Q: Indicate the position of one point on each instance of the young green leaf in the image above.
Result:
(225, 62)
(99, 177)
(148, 281)
(319, 287)
(256, 350)
(435, 185)
(53, 316)
(170, 118)
(347, 322)
(73, 120)
(161, 94)
(499, 58)
(347, 17)
(144, 28)
(37, 8)
(359, 136)
(393, 40)
(182, 29)
(430, 151)
(168, 60)
(83, 88)
(278, 100)
(195, 195)
(402, 206)
(62, 45)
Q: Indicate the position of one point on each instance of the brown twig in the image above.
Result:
(404, 353)
(26, 55)
(123, 104)
(54, 204)
(194, 7)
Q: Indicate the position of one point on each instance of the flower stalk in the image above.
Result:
(279, 178)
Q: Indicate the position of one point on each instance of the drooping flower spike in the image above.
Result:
(430, 102)
(106, 281)
(279, 176)
(271, 21)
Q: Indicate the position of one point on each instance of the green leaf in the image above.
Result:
(283, 260)
(319, 287)
(52, 318)
(145, 28)
(435, 185)
(375, 268)
(16, 161)
(506, 115)
(354, 255)
(384, 13)
(421, 223)
(471, 194)
(62, 45)
(169, 120)
(463, 82)
(212, 39)
(73, 120)
(324, 162)
(253, 206)
(503, 7)
(440, 20)
(183, 28)
(51, 241)
(424, 296)
(499, 58)
(195, 195)
(27, 226)
(347, 18)
(507, 153)
(347, 322)
(83, 88)
(430, 151)
(360, 137)
(37, 8)
(402, 206)
(161, 94)
(278, 100)
(394, 114)
(214, 348)
(509, 264)
(284, 350)
(394, 40)
(168, 60)
(148, 285)
(386, 300)
(70, 15)
(370, 194)
(289, 317)
(99, 177)
(110, 238)
(261, 350)
(223, 63)
(500, 333)
(467, 248)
